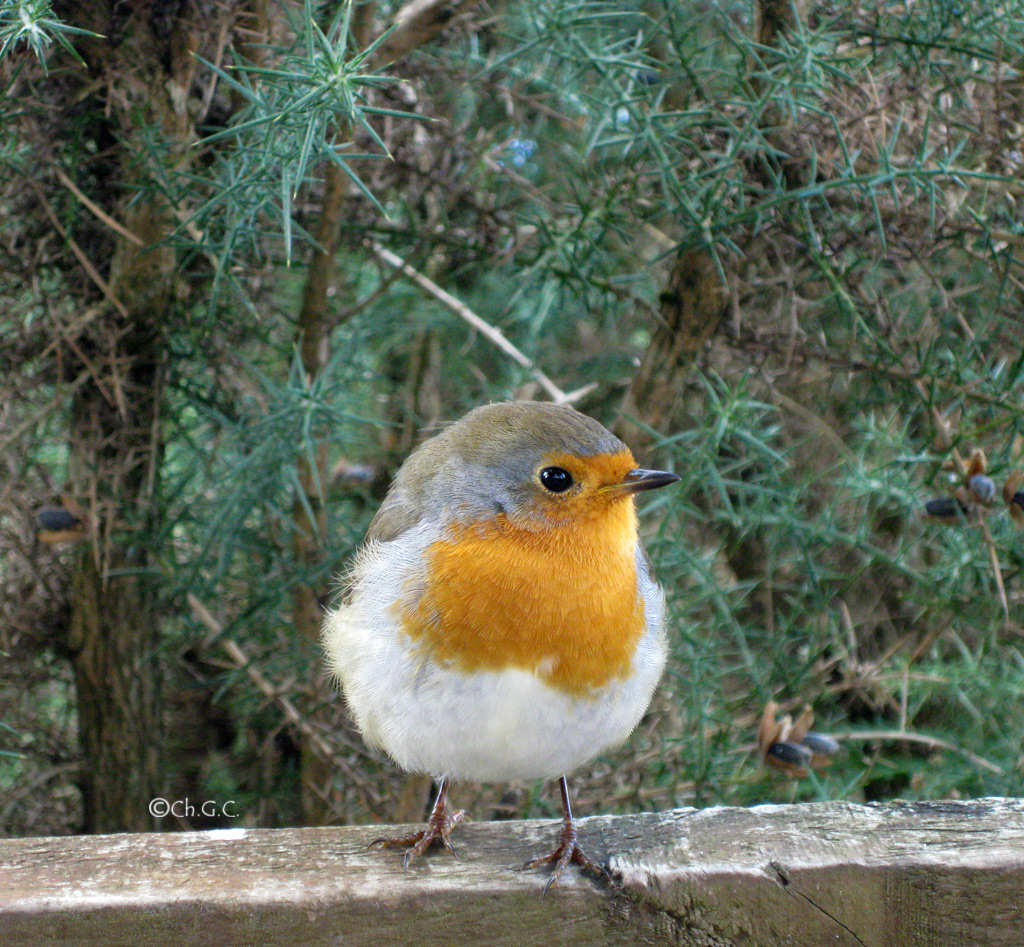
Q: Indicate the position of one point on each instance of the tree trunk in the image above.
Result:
(146, 68)
(114, 628)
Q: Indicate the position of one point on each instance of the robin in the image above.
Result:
(501, 621)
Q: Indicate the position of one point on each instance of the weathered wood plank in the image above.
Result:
(896, 875)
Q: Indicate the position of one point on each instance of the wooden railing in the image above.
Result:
(837, 874)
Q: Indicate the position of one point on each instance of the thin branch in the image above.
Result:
(239, 658)
(262, 684)
(242, 662)
(98, 211)
(492, 334)
(935, 742)
(70, 342)
(90, 270)
(997, 571)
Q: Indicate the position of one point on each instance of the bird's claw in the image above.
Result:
(438, 830)
(567, 852)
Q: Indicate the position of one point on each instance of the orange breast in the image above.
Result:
(562, 602)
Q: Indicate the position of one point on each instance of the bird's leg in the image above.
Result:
(568, 849)
(439, 827)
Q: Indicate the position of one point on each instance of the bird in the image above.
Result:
(60, 524)
(501, 622)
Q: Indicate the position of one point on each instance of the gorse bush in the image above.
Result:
(778, 249)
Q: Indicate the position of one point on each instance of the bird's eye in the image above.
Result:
(556, 479)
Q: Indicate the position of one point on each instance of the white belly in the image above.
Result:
(488, 725)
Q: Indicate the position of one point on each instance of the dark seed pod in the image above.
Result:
(946, 509)
(789, 755)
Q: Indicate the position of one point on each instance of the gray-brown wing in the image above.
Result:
(391, 520)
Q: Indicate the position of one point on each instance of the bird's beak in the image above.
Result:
(640, 479)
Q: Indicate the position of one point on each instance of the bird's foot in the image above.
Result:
(567, 852)
(438, 830)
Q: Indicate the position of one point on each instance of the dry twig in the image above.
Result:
(492, 334)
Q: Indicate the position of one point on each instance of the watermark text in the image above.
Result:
(186, 808)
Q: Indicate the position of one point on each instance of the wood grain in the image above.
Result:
(894, 875)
